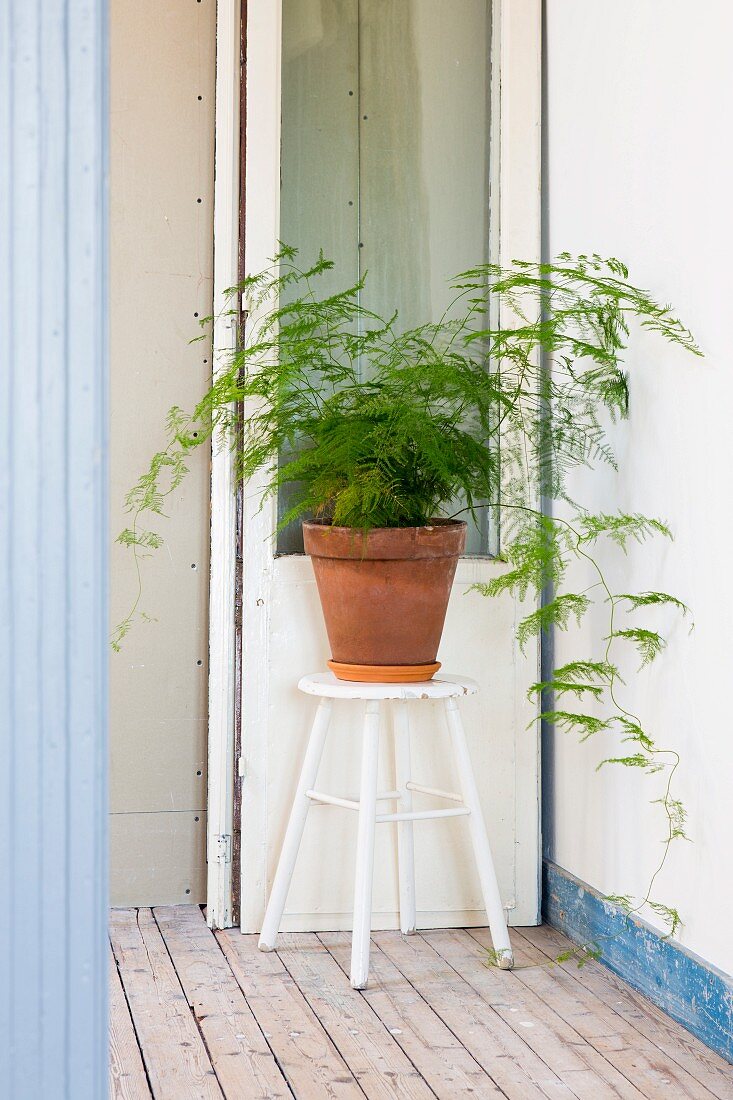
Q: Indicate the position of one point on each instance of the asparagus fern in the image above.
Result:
(378, 426)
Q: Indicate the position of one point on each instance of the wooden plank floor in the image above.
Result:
(195, 1015)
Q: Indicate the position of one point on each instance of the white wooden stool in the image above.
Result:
(327, 688)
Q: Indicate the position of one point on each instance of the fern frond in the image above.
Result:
(557, 612)
(634, 732)
(669, 916)
(584, 725)
(601, 671)
(621, 528)
(677, 816)
(623, 901)
(653, 599)
(635, 760)
(561, 687)
(580, 954)
(648, 642)
(149, 540)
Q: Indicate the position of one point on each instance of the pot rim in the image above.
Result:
(441, 539)
(437, 522)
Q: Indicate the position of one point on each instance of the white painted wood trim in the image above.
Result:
(386, 920)
(518, 40)
(223, 503)
(262, 189)
(518, 115)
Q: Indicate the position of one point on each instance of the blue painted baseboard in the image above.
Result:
(688, 989)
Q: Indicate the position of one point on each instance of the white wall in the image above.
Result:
(638, 165)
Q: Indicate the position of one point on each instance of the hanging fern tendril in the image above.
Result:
(600, 680)
(377, 426)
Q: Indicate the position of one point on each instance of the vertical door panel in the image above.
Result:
(423, 170)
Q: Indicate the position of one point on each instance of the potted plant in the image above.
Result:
(389, 437)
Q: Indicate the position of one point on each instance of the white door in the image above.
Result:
(400, 136)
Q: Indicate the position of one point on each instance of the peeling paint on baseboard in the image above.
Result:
(690, 990)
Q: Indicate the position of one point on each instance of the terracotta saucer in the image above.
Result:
(384, 674)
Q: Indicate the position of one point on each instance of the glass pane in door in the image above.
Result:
(385, 153)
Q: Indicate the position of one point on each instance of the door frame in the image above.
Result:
(223, 561)
(515, 226)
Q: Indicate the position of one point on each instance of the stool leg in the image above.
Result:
(405, 843)
(296, 825)
(365, 848)
(480, 839)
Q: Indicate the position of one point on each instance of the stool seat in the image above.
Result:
(394, 699)
(325, 685)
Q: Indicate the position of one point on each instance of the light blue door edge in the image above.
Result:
(53, 549)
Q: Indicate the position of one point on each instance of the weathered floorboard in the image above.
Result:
(510, 1063)
(307, 1055)
(127, 1080)
(380, 1066)
(448, 1068)
(195, 1014)
(242, 1060)
(175, 1057)
(679, 1044)
(641, 1063)
(560, 1047)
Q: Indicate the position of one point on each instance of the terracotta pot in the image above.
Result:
(384, 596)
